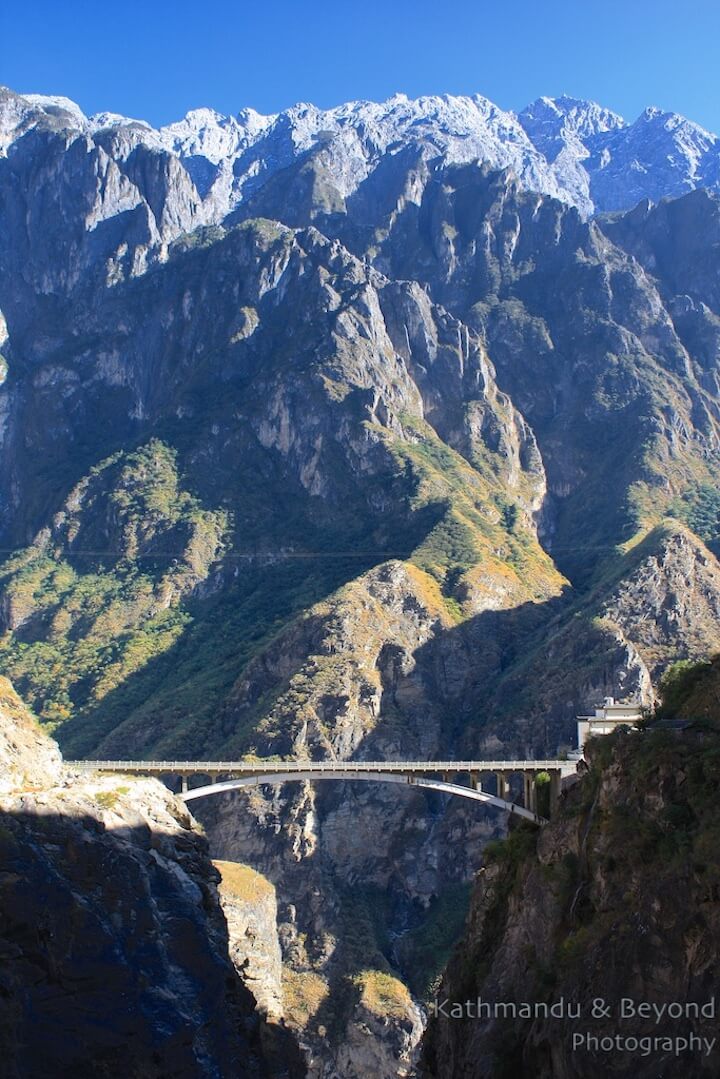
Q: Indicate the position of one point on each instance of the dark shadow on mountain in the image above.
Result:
(301, 194)
(507, 683)
(114, 964)
(178, 693)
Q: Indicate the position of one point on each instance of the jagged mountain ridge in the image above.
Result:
(572, 149)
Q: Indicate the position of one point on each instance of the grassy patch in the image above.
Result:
(303, 995)
(382, 994)
(239, 881)
(108, 799)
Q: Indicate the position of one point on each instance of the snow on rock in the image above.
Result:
(575, 150)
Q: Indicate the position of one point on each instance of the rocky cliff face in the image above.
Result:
(589, 909)
(114, 947)
(250, 907)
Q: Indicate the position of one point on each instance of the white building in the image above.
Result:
(606, 719)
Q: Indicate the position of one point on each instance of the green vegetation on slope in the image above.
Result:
(99, 596)
(691, 691)
(110, 628)
(699, 507)
(477, 542)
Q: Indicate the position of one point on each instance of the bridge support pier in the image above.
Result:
(502, 785)
(555, 785)
(530, 791)
(475, 781)
(184, 784)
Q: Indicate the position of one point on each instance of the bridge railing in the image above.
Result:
(268, 767)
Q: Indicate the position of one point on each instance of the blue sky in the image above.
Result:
(156, 59)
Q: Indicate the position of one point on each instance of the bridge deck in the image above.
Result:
(268, 767)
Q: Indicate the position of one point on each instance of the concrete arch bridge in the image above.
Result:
(465, 779)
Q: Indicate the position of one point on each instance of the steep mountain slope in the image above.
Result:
(369, 416)
(691, 691)
(658, 601)
(114, 946)
(588, 910)
(597, 340)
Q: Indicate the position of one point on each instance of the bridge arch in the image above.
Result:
(256, 779)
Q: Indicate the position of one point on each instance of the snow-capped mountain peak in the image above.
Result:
(53, 104)
(100, 120)
(573, 149)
